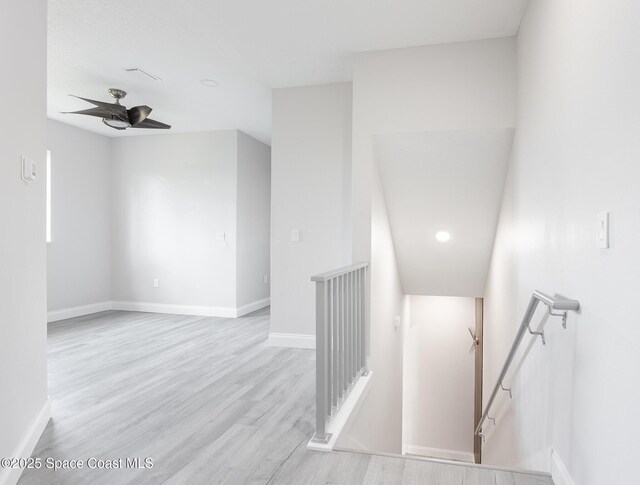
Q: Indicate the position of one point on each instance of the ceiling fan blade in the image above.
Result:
(99, 112)
(138, 114)
(116, 110)
(149, 123)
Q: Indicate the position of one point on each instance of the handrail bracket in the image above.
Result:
(556, 308)
(541, 333)
(506, 389)
(559, 314)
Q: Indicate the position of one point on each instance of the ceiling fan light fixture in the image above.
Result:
(116, 123)
(117, 116)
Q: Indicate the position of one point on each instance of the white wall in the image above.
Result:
(458, 86)
(463, 86)
(310, 189)
(171, 195)
(129, 210)
(79, 256)
(578, 119)
(23, 293)
(439, 372)
(377, 426)
(253, 221)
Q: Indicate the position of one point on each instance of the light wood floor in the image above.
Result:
(209, 402)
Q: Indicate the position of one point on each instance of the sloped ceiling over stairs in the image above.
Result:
(443, 181)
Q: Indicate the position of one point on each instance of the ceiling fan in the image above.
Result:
(117, 116)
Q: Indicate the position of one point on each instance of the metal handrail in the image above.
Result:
(561, 307)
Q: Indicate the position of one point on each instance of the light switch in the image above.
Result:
(220, 236)
(156, 283)
(295, 235)
(265, 279)
(29, 169)
(603, 230)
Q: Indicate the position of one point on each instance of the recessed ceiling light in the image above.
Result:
(443, 236)
(210, 83)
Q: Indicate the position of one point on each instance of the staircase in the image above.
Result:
(342, 382)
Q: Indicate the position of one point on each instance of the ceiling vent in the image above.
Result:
(143, 75)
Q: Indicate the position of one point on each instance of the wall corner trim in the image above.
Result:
(559, 473)
(297, 340)
(10, 476)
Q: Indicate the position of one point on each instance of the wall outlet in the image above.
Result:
(156, 283)
(221, 236)
(265, 279)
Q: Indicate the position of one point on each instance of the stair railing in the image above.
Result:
(341, 340)
(555, 307)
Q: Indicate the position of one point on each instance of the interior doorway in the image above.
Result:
(442, 381)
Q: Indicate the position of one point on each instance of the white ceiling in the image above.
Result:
(248, 46)
(446, 180)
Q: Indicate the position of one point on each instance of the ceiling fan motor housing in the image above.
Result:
(116, 93)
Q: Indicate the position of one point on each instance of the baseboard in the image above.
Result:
(10, 476)
(348, 408)
(137, 306)
(296, 340)
(252, 307)
(78, 311)
(204, 311)
(439, 453)
(559, 472)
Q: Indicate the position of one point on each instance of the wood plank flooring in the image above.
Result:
(209, 402)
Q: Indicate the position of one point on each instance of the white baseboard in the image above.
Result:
(252, 307)
(10, 476)
(559, 472)
(297, 340)
(204, 311)
(138, 306)
(78, 311)
(439, 453)
(349, 407)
